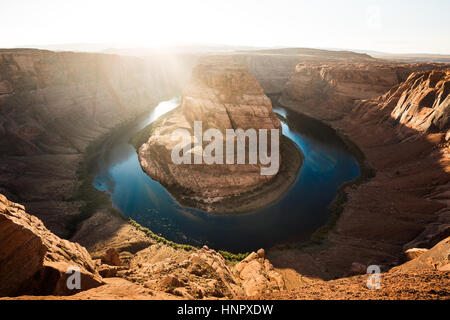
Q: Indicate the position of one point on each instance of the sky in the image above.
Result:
(394, 26)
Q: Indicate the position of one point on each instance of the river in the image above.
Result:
(295, 216)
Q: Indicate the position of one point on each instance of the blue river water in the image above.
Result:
(295, 216)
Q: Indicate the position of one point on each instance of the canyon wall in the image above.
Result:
(52, 105)
(404, 135)
(327, 90)
(274, 67)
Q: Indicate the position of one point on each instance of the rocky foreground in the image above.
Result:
(161, 272)
(222, 95)
(34, 261)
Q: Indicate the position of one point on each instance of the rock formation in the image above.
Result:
(327, 91)
(201, 273)
(35, 261)
(223, 95)
(404, 137)
(422, 102)
(52, 106)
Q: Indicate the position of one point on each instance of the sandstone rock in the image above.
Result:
(413, 253)
(328, 90)
(53, 104)
(111, 257)
(261, 253)
(183, 293)
(423, 101)
(436, 258)
(172, 281)
(5, 87)
(223, 95)
(34, 260)
(200, 273)
(109, 271)
(357, 268)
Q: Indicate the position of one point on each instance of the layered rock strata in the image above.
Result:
(328, 90)
(222, 95)
(404, 135)
(35, 261)
(52, 106)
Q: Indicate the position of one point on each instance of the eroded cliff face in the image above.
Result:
(274, 67)
(222, 95)
(52, 105)
(404, 136)
(328, 90)
(422, 102)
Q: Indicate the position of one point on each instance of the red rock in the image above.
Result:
(5, 87)
(111, 257)
(357, 268)
(34, 260)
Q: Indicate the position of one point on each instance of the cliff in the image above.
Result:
(52, 105)
(222, 95)
(328, 90)
(35, 261)
(404, 137)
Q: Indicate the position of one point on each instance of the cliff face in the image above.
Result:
(404, 136)
(223, 95)
(52, 105)
(35, 261)
(273, 68)
(422, 102)
(327, 91)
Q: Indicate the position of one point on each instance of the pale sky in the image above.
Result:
(396, 26)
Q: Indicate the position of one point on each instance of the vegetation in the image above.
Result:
(94, 200)
(91, 198)
(230, 257)
(141, 137)
(337, 206)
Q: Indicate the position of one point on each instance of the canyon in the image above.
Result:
(53, 105)
(221, 96)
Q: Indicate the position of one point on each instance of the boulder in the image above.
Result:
(437, 258)
(111, 257)
(413, 253)
(34, 261)
(357, 268)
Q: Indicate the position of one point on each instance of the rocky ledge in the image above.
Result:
(222, 95)
(35, 263)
